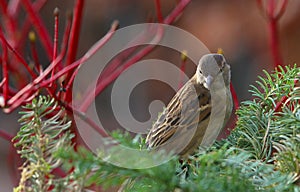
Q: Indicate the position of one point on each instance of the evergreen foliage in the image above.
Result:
(44, 130)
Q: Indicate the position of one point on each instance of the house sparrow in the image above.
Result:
(198, 111)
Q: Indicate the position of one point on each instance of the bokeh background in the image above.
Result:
(236, 26)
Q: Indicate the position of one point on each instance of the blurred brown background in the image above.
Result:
(236, 26)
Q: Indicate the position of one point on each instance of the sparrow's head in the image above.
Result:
(210, 66)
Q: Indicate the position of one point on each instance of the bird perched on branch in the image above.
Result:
(198, 111)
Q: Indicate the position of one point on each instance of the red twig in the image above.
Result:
(273, 28)
(6, 136)
(39, 26)
(176, 11)
(55, 39)
(20, 41)
(61, 73)
(5, 73)
(76, 63)
(158, 11)
(74, 36)
(74, 39)
(3, 7)
(34, 85)
(10, 22)
(234, 97)
(118, 61)
(273, 18)
(13, 8)
(282, 9)
(18, 56)
(32, 40)
(94, 49)
(105, 82)
(65, 40)
(81, 115)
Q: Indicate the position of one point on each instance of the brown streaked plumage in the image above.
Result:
(183, 123)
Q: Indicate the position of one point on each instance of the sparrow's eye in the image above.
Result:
(222, 66)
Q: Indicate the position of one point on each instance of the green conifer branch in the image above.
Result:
(44, 130)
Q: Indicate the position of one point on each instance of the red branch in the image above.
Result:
(65, 40)
(139, 55)
(158, 11)
(39, 26)
(273, 28)
(234, 97)
(5, 73)
(115, 74)
(18, 56)
(32, 41)
(94, 49)
(6, 136)
(74, 36)
(272, 18)
(27, 26)
(73, 43)
(176, 11)
(55, 39)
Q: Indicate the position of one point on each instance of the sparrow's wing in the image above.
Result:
(187, 109)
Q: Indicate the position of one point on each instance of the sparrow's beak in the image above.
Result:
(208, 81)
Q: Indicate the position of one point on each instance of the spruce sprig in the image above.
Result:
(44, 130)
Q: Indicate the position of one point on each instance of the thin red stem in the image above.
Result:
(32, 40)
(105, 82)
(115, 63)
(82, 116)
(234, 97)
(18, 56)
(74, 40)
(60, 73)
(273, 28)
(93, 50)
(65, 40)
(158, 11)
(74, 36)
(64, 48)
(40, 82)
(34, 85)
(13, 8)
(274, 42)
(39, 26)
(2, 83)
(5, 72)
(8, 137)
(10, 22)
(3, 7)
(89, 121)
(20, 41)
(176, 11)
(55, 39)
(282, 9)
